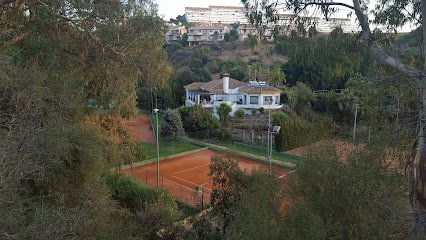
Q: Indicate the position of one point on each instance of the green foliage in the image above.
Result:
(262, 110)
(153, 208)
(241, 201)
(296, 132)
(300, 98)
(133, 195)
(231, 36)
(223, 111)
(279, 120)
(240, 113)
(197, 118)
(251, 41)
(53, 164)
(323, 63)
(172, 126)
(331, 199)
(276, 76)
(52, 61)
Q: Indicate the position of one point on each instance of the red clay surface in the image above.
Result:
(141, 127)
(181, 175)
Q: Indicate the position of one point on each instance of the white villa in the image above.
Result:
(237, 94)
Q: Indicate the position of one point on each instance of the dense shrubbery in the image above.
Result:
(172, 126)
(153, 208)
(323, 62)
(297, 132)
(357, 199)
(300, 98)
(197, 118)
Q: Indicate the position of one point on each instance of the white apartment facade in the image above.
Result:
(216, 15)
(230, 15)
(206, 34)
(237, 94)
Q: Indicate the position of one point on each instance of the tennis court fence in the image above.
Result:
(191, 194)
(263, 151)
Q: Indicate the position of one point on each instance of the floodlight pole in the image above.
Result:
(269, 138)
(158, 149)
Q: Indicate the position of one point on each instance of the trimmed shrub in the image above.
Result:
(240, 113)
(172, 126)
(262, 110)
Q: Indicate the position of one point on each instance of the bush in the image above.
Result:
(253, 112)
(172, 126)
(240, 113)
(197, 118)
(262, 110)
(153, 208)
(296, 132)
(300, 98)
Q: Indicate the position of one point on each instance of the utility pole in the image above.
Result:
(354, 131)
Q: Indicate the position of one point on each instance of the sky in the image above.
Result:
(172, 8)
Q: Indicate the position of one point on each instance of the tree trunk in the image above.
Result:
(419, 171)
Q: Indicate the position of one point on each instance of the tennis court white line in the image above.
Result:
(286, 174)
(189, 169)
(192, 183)
(205, 184)
(178, 184)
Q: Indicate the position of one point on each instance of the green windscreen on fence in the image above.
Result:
(261, 151)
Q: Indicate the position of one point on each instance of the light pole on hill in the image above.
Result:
(271, 130)
(158, 148)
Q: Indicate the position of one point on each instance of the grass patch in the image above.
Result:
(166, 148)
(260, 151)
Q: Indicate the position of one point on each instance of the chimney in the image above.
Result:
(225, 77)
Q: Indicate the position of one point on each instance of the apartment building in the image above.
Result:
(175, 33)
(246, 30)
(206, 34)
(216, 15)
(229, 15)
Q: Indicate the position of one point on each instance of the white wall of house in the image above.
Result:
(236, 100)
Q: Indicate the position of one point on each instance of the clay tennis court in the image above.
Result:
(182, 175)
(141, 127)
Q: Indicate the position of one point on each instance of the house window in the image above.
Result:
(267, 100)
(277, 100)
(254, 99)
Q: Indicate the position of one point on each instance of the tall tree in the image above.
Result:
(391, 14)
(54, 56)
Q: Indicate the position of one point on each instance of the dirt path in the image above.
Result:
(141, 127)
